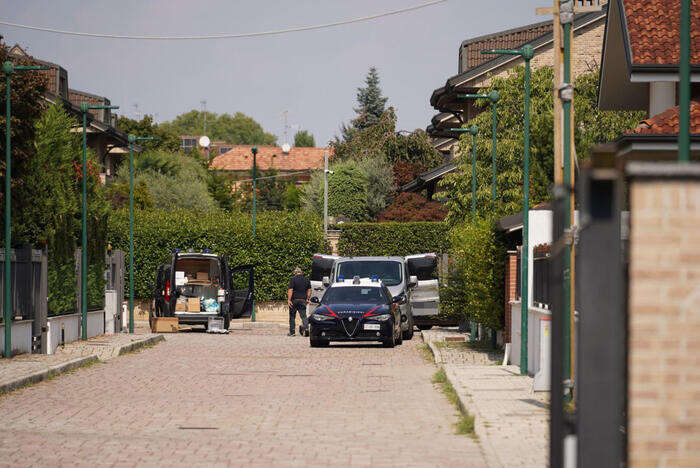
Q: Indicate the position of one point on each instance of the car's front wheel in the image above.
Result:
(408, 334)
(390, 342)
(314, 343)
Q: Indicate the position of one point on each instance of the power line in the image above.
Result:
(226, 36)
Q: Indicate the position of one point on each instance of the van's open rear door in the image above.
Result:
(242, 285)
(320, 267)
(425, 296)
(170, 295)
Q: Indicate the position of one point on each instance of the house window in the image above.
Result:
(225, 149)
(188, 144)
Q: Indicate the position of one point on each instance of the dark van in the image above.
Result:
(195, 286)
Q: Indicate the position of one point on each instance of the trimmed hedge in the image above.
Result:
(474, 287)
(283, 241)
(393, 238)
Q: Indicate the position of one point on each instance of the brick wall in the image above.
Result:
(510, 284)
(664, 322)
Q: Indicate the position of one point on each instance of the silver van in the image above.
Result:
(413, 277)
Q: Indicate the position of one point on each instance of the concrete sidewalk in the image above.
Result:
(511, 420)
(26, 369)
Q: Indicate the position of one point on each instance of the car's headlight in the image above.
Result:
(321, 317)
(381, 318)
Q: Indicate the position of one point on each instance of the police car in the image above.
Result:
(357, 309)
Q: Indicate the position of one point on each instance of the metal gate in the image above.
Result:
(114, 277)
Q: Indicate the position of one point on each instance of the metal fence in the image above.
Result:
(540, 276)
(29, 283)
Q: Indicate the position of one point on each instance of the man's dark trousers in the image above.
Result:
(298, 305)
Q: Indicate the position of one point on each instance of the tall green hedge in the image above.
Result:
(474, 288)
(393, 238)
(283, 241)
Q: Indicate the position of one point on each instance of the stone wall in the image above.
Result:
(664, 317)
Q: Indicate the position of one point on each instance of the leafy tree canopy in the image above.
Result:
(237, 129)
(303, 139)
(146, 127)
(591, 126)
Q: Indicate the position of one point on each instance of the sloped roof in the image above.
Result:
(666, 123)
(240, 158)
(653, 28)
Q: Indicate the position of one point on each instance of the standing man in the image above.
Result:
(298, 296)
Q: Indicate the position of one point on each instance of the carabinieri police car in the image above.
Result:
(356, 310)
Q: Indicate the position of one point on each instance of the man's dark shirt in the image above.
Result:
(299, 285)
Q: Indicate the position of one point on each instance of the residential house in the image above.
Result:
(109, 144)
(654, 308)
(476, 72)
(297, 162)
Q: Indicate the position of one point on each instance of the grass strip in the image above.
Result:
(465, 423)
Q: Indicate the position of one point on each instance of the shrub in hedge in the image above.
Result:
(474, 288)
(392, 238)
(283, 241)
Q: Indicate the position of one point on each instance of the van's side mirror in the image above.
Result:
(326, 281)
(315, 300)
(412, 281)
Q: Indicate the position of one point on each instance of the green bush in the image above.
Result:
(283, 241)
(474, 288)
(392, 238)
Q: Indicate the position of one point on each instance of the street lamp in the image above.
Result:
(253, 150)
(493, 96)
(473, 130)
(132, 138)
(526, 52)
(9, 69)
(85, 108)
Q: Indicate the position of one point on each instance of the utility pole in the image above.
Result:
(253, 150)
(285, 114)
(204, 112)
(9, 69)
(325, 193)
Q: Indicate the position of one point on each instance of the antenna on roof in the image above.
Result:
(284, 114)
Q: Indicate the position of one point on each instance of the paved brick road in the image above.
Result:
(253, 397)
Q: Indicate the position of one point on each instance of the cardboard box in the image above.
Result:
(202, 275)
(164, 325)
(181, 306)
(193, 304)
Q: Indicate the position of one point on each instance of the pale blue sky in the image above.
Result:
(313, 75)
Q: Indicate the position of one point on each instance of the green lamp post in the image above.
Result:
(494, 97)
(253, 150)
(9, 68)
(132, 138)
(85, 108)
(526, 52)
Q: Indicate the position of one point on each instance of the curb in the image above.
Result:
(465, 403)
(251, 325)
(134, 345)
(48, 373)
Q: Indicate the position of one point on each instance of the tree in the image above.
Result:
(371, 105)
(359, 189)
(146, 127)
(303, 139)
(413, 207)
(292, 197)
(172, 180)
(237, 129)
(591, 126)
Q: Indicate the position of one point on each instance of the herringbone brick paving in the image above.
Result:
(251, 398)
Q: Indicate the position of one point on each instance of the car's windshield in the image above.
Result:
(388, 271)
(354, 295)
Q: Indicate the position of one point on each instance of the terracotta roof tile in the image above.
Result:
(270, 157)
(666, 123)
(654, 31)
